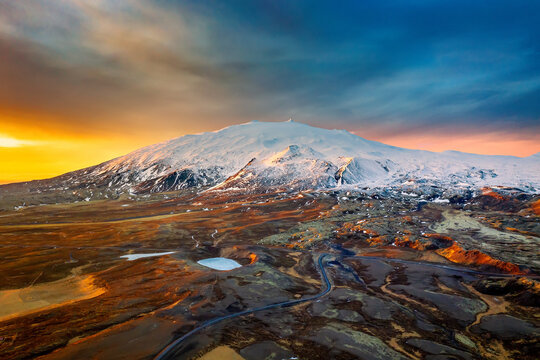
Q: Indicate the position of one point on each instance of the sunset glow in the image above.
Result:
(31, 160)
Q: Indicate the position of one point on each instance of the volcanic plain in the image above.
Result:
(410, 278)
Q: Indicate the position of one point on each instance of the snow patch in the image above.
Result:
(131, 257)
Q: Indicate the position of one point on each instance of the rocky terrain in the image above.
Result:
(411, 277)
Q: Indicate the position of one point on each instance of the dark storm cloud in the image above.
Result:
(396, 65)
(423, 63)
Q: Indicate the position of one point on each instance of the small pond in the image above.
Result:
(219, 263)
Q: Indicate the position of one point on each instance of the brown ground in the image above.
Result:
(66, 293)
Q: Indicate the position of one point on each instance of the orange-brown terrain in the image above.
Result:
(407, 281)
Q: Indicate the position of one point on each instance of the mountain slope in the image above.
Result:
(287, 155)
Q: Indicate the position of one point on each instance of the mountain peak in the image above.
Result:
(293, 154)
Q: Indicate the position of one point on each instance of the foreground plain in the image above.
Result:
(410, 278)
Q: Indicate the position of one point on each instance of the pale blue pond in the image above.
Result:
(219, 263)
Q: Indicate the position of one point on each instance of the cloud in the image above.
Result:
(127, 63)
(118, 66)
(10, 142)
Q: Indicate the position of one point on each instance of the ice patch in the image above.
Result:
(131, 257)
(219, 263)
(441, 201)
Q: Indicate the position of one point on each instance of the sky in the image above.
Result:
(82, 82)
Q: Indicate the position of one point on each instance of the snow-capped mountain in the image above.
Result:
(289, 155)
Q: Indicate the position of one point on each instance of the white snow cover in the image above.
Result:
(292, 153)
(131, 257)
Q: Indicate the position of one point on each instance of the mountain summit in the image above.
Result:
(291, 155)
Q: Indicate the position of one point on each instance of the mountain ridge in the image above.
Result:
(291, 155)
